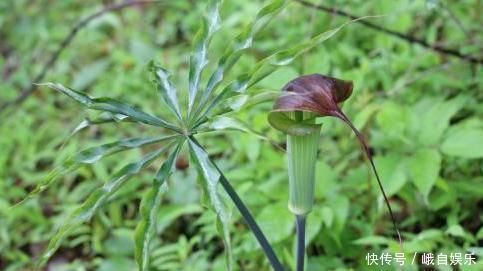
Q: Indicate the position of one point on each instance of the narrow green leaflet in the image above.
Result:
(113, 106)
(211, 176)
(93, 154)
(228, 123)
(224, 123)
(105, 117)
(199, 59)
(149, 209)
(90, 156)
(271, 63)
(243, 42)
(239, 102)
(98, 198)
(284, 57)
(166, 88)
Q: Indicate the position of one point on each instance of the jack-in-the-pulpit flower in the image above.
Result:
(301, 102)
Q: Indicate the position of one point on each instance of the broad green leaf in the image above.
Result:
(113, 106)
(166, 88)
(464, 143)
(277, 221)
(340, 206)
(438, 115)
(199, 59)
(455, 230)
(149, 209)
(315, 223)
(90, 156)
(211, 176)
(392, 119)
(242, 42)
(97, 199)
(392, 173)
(424, 168)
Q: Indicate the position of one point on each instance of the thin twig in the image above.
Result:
(29, 89)
(407, 38)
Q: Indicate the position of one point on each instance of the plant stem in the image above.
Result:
(252, 224)
(300, 227)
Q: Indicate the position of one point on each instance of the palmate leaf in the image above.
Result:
(198, 58)
(211, 176)
(90, 156)
(149, 209)
(268, 65)
(165, 88)
(98, 198)
(113, 106)
(242, 42)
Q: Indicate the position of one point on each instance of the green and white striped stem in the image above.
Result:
(302, 155)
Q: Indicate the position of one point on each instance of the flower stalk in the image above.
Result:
(300, 250)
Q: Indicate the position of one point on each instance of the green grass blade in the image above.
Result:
(149, 209)
(166, 88)
(199, 59)
(98, 198)
(211, 177)
(90, 156)
(113, 106)
(242, 42)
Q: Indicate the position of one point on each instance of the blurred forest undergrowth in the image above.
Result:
(419, 107)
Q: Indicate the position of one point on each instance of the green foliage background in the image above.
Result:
(420, 111)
